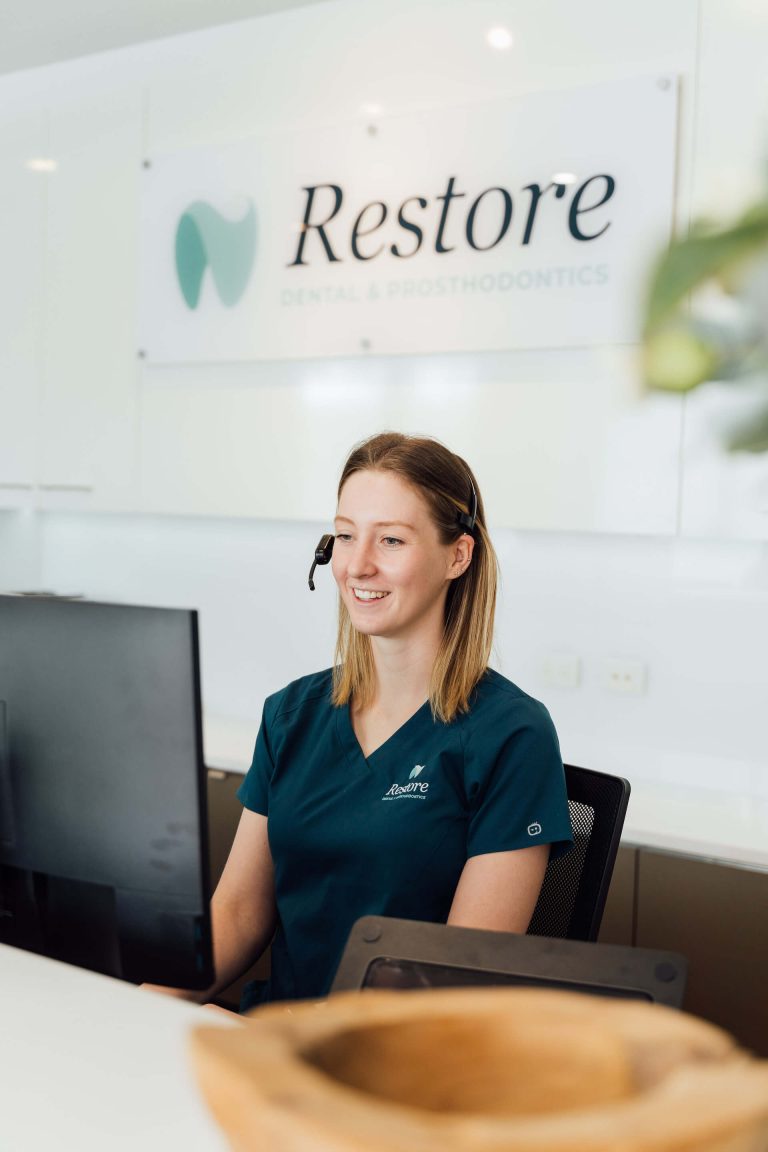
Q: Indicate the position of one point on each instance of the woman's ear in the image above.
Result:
(461, 556)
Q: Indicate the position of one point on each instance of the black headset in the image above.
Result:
(324, 549)
(323, 553)
(468, 520)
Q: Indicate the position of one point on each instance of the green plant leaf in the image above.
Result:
(753, 437)
(704, 255)
(676, 359)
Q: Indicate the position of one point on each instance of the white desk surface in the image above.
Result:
(694, 805)
(91, 1064)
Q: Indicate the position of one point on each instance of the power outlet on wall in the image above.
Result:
(625, 675)
(561, 670)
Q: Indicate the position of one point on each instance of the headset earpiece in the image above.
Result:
(323, 553)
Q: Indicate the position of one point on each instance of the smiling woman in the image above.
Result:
(409, 518)
(409, 712)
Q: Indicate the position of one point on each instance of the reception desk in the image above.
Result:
(88, 1063)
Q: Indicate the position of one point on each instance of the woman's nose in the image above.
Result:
(361, 562)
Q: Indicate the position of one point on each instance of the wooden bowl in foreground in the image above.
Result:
(485, 1070)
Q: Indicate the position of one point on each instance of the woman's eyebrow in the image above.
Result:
(382, 523)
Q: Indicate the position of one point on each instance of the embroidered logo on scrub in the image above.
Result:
(413, 790)
(534, 829)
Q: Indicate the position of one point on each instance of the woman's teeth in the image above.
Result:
(364, 594)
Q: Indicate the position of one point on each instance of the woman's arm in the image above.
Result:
(499, 890)
(243, 912)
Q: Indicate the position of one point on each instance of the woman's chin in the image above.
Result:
(368, 627)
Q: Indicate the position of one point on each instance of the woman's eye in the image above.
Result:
(391, 541)
(344, 537)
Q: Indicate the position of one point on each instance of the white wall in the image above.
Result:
(683, 597)
(20, 551)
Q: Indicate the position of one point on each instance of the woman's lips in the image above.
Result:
(368, 595)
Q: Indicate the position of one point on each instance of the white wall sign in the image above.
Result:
(502, 225)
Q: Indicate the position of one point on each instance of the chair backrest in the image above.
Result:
(383, 952)
(575, 886)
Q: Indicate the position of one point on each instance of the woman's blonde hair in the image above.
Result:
(446, 483)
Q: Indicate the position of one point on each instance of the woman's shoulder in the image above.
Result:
(503, 719)
(495, 694)
(306, 691)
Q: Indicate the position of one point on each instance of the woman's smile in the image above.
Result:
(367, 595)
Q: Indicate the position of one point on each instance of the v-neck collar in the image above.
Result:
(351, 744)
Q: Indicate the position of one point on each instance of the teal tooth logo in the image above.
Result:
(205, 238)
(417, 768)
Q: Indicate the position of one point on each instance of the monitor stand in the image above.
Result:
(69, 920)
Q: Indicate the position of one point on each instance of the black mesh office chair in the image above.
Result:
(576, 885)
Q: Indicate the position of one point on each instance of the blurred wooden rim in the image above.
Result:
(481, 1070)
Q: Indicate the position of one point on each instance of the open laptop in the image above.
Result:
(383, 952)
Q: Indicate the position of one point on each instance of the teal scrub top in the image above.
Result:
(389, 835)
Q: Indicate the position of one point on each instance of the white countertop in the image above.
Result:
(91, 1064)
(700, 806)
(228, 743)
(721, 826)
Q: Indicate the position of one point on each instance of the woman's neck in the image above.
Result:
(402, 686)
(403, 674)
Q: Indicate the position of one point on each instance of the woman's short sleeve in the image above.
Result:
(253, 793)
(516, 785)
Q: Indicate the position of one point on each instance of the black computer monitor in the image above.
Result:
(103, 828)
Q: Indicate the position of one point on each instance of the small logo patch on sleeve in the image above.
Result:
(534, 829)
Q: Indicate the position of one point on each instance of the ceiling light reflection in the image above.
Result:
(41, 164)
(500, 38)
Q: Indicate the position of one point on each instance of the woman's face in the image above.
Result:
(392, 570)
